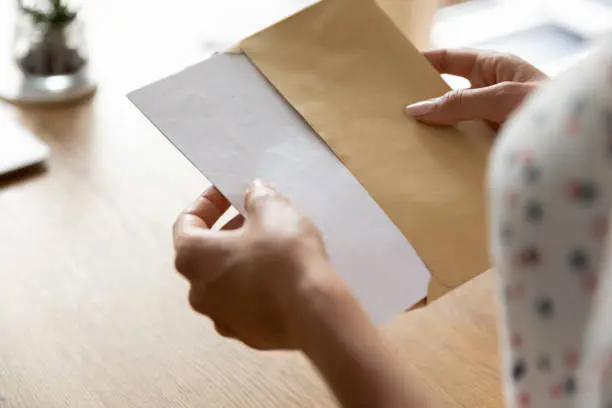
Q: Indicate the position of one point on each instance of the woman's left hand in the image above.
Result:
(500, 83)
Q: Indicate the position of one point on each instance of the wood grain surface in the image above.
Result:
(92, 313)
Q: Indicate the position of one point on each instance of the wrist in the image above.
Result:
(318, 307)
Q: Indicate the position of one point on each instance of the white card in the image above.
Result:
(233, 126)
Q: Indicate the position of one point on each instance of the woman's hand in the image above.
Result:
(267, 281)
(500, 82)
(253, 277)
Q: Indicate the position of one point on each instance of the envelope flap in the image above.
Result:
(349, 72)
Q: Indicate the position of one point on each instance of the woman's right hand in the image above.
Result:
(266, 281)
(258, 278)
(500, 83)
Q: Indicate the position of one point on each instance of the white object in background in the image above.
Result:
(18, 147)
(233, 126)
(527, 28)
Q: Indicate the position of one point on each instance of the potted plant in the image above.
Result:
(50, 39)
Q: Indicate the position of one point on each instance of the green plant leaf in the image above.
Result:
(59, 15)
(36, 15)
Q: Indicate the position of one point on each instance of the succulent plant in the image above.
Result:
(51, 53)
(57, 15)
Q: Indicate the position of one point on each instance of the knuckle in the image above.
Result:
(299, 237)
(510, 89)
(182, 263)
(184, 256)
(265, 200)
(505, 55)
(223, 330)
(196, 300)
(454, 98)
(182, 242)
(502, 57)
(444, 60)
(512, 58)
(260, 193)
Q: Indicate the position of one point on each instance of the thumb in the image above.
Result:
(258, 196)
(493, 103)
(268, 208)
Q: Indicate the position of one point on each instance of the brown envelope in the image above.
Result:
(349, 71)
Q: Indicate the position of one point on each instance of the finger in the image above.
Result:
(234, 223)
(224, 331)
(203, 213)
(210, 206)
(260, 345)
(257, 345)
(200, 254)
(258, 194)
(494, 103)
(454, 62)
(195, 243)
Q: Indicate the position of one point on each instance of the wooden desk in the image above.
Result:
(91, 312)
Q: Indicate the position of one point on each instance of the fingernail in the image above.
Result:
(256, 191)
(420, 108)
(256, 185)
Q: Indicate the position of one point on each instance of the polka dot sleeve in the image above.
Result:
(550, 192)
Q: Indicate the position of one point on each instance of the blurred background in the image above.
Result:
(549, 33)
(123, 38)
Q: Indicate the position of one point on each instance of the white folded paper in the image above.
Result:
(233, 126)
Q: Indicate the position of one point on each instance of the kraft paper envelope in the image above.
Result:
(349, 72)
